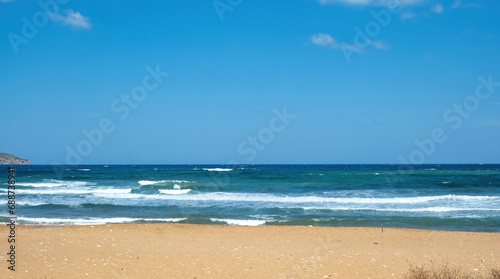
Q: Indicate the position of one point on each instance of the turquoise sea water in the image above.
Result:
(444, 197)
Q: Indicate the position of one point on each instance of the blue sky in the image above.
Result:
(298, 81)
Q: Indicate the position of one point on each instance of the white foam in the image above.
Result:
(77, 183)
(27, 203)
(147, 182)
(174, 220)
(129, 196)
(152, 182)
(439, 209)
(77, 221)
(177, 186)
(425, 209)
(271, 198)
(83, 169)
(217, 169)
(55, 183)
(94, 221)
(40, 184)
(175, 191)
(317, 199)
(239, 222)
(75, 191)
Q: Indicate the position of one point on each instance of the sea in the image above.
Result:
(434, 197)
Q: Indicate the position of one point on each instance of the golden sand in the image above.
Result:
(207, 251)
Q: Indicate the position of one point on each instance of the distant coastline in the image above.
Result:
(9, 159)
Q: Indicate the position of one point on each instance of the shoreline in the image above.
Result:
(221, 251)
(249, 226)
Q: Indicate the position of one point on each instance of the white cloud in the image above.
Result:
(371, 2)
(325, 40)
(437, 8)
(459, 4)
(409, 6)
(73, 19)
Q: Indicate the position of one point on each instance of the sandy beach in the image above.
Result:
(207, 251)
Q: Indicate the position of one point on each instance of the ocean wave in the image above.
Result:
(40, 184)
(239, 222)
(28, 203)
(74, 191)
(217, 169)
(152, 182)
(175, 191)
(440, 209)
(147, 182)
(270, 198)
(425, 209)
(173, 220)
(93, 221)
(55, 183)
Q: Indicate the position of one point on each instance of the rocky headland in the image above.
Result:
(9, 159)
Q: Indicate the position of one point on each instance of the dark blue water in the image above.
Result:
(444, 197)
